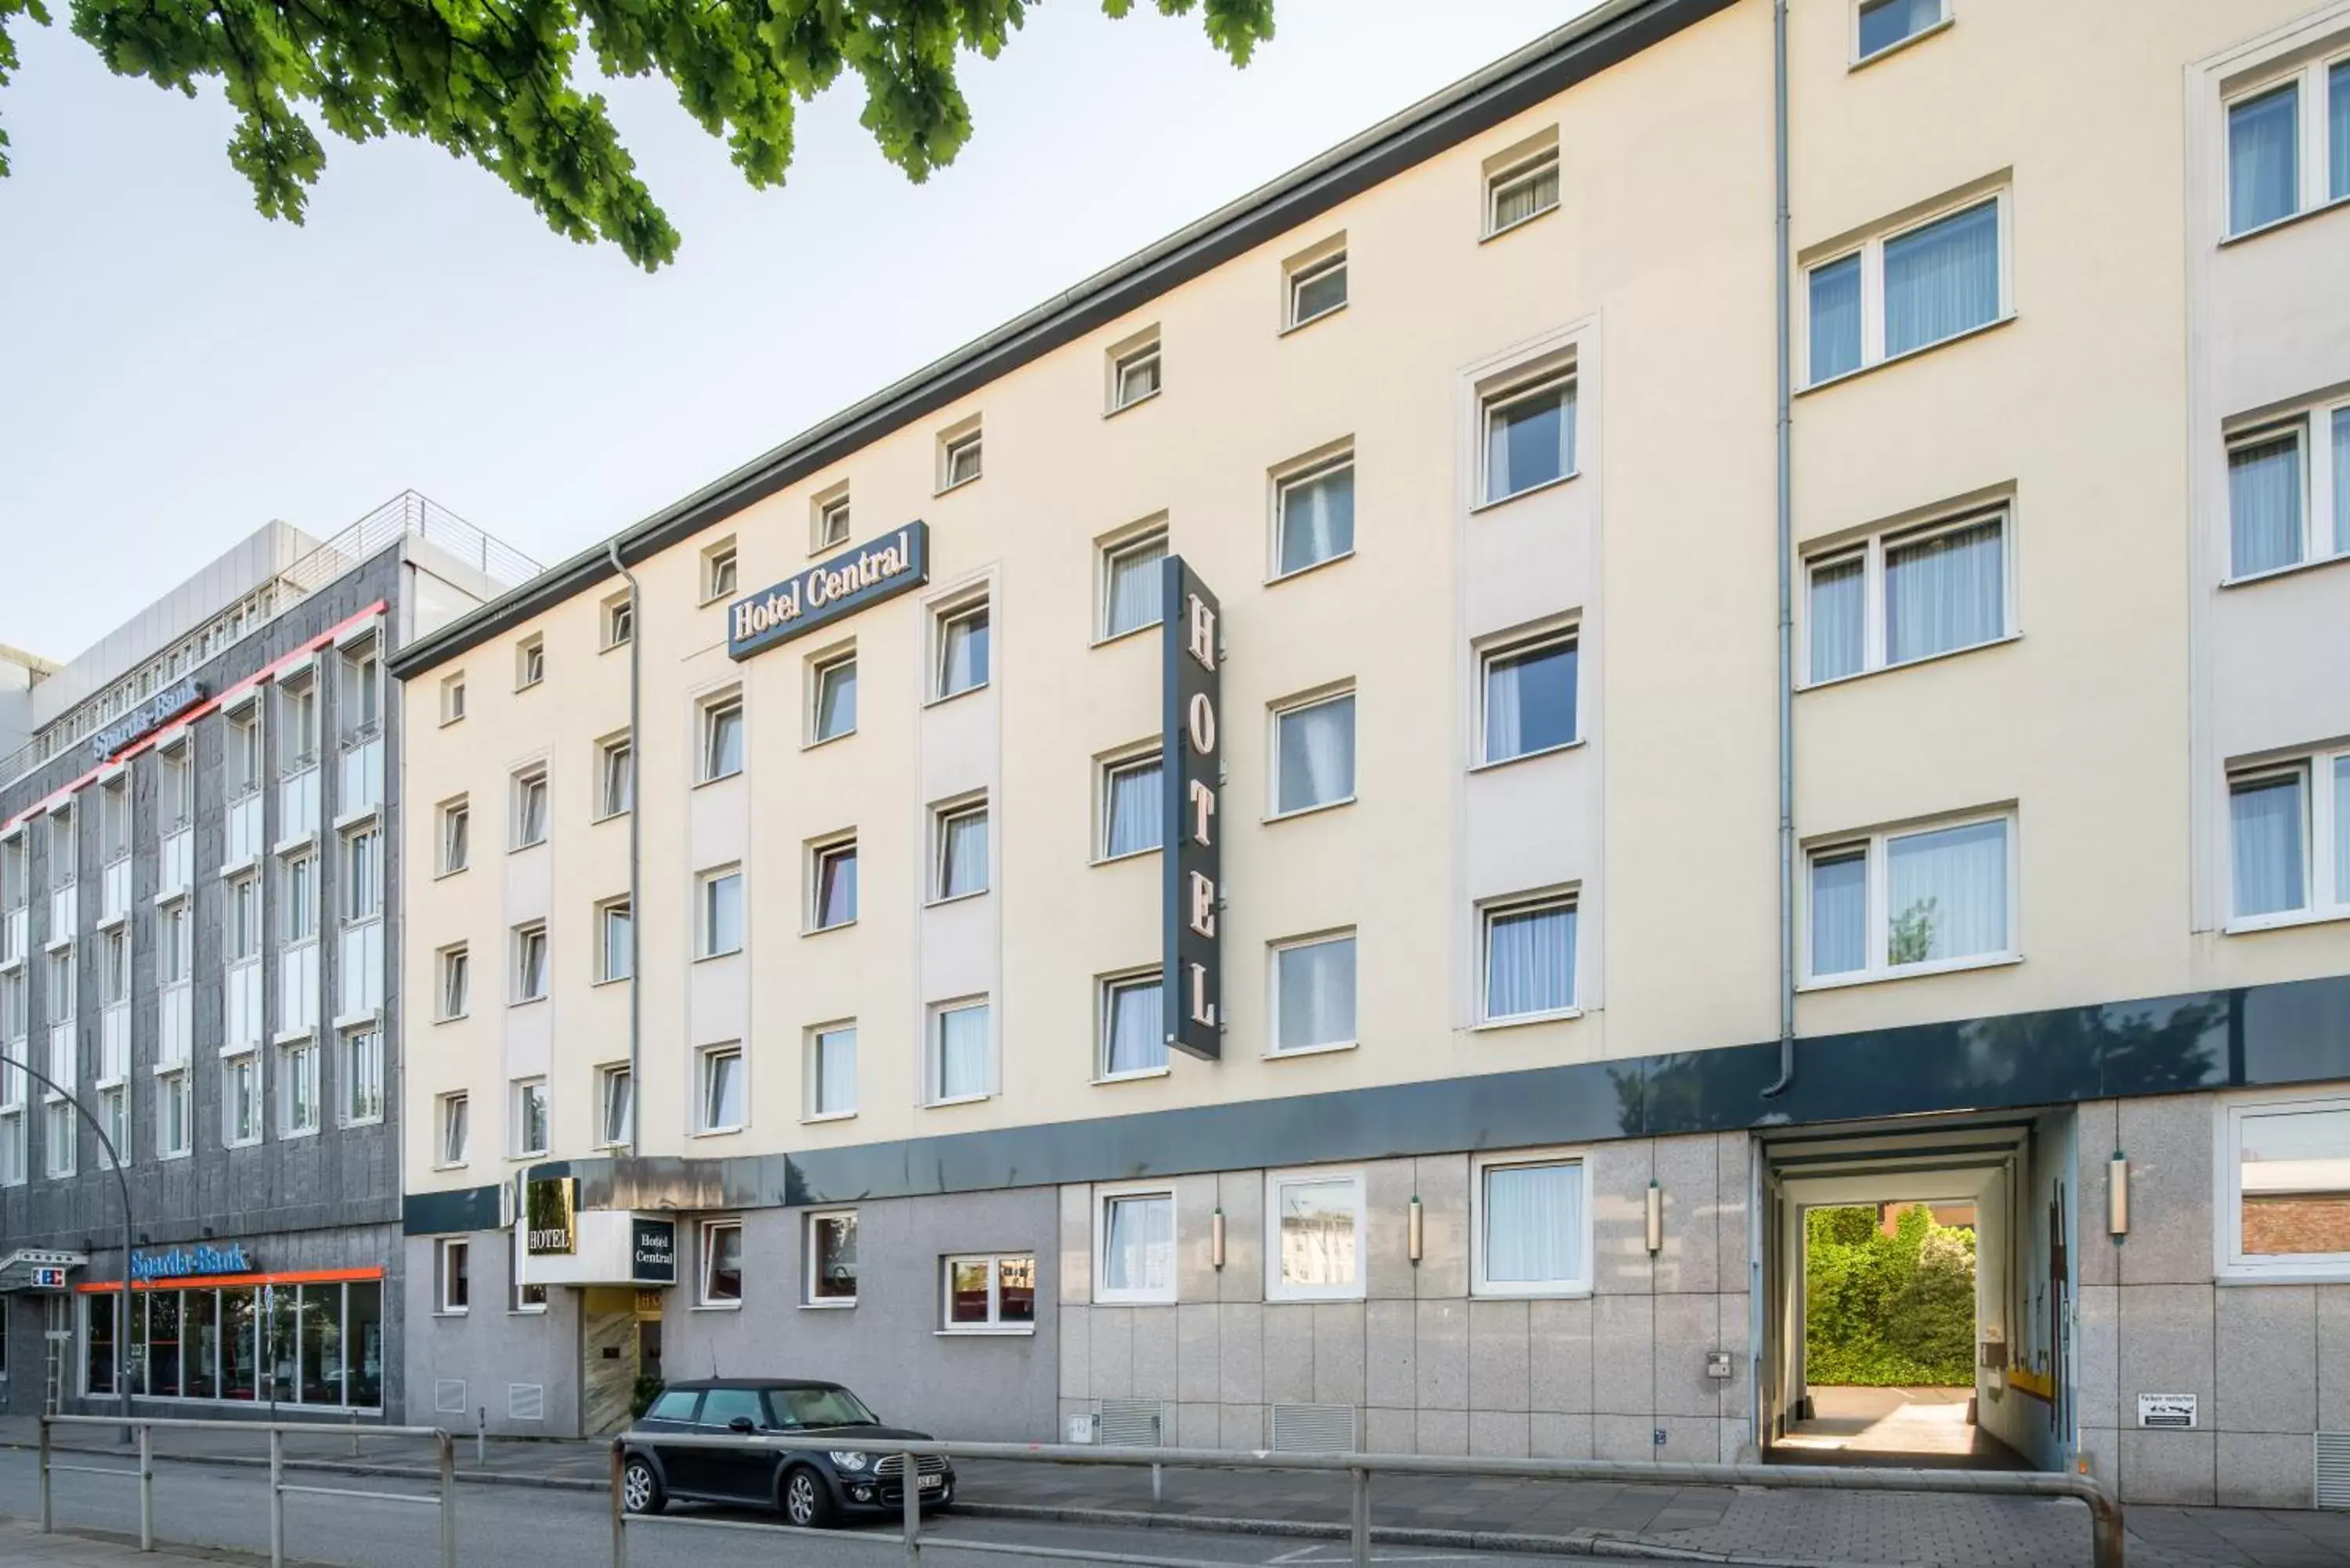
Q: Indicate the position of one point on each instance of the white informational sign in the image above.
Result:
(2175, 1411)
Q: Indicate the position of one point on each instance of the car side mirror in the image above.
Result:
(741, 1423)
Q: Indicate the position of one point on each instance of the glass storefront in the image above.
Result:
(303, 1344)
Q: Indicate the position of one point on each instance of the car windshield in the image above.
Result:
(818, 1407)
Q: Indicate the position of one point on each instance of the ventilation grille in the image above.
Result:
(525, 1401)
(1313, 1428)
(2333, 1469)
(449, 1397)
(1136, 1423)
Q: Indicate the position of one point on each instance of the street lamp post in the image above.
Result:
(122, 1183)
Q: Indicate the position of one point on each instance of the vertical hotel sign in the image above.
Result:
(1192, 988)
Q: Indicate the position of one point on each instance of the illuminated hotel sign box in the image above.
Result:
(1192, 977)
(609, 1247)
(550, 1216)
(851, 581)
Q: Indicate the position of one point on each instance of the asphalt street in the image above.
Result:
(222, 1506)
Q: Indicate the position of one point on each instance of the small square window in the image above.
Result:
(1529, 696)
(620, 620)
(1528, 959)
(530, 962)
(529, 1118)
(1881, 24)
(2284, 1188)
(718, 574)
(1133, 807)
(1521, 190)
(453, 697)
(1314, 514)
(721, 913)
(1313, 993)
(616, 944)
(832, 1258)
(456, 982)
(1133, 1026)
(1134, 1246)
(1317, 286)
(990, 1293)
(1134, 374)
(1132, 583)
(455, 1273)
(722, 1262)
(616, 1105)
(1315, 1222)
(721, 739)
(963, 649)
(959, 1052)
(723, 1093)
(530, 662)
(959, 459)
(1529, 435)
(616, 777)
(530, 808)
(832, 698)
(832, 1070)
(961, 840)
(832, 885)
(1530, 1226)
(828, 519)
(456, 835)
(1314, 755)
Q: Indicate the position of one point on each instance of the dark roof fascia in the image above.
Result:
(1607, 35)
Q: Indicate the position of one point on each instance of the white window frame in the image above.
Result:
(812, 1074)
(944, 616)
(819, 855)
(1479, 1284)
(705, 911)
(616, 763)
(994, 1323)
(362, 874)
(525, 781)
(519, 974)
(818, 669)
(354, 1080)
(1871, 551)
(245, 1060)
(934, 1052)
(1521, 166)
(1138, 1295)
(706, 1254)
(1876, 844)
(1107, 772)
(456, 819)
(1273, 1045)
(453, 1261)
(705, 1061)
(1294, 475)
(1492, 909)
(942, 820)
(1285, 708)
(2229, 1261)
(454, 1106)
(618, 621)
(2324, 537)
(713, 711)
(1310, 267)
(1135, 355)
(1903, 42)
(605, 973)
(615, 1091)
(2325, 896)
(1520, 645)
(721, 571)
(297, 1060)
(830, 519)
(453, 698)
(530, 662)
(1522, 385)
(953, 444)
(815, 1219)
(518, 1094)
(2313, 140)
(1870, 249)
(1275, 1289)
(453, 980)
(1107, 990)
(1114, 551)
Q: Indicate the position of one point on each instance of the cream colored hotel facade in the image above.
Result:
(1532, 1047)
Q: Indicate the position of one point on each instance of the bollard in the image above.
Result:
(146, 1489)
(911, 1484)
(47, 1523)
(276, 1499)
(448, 1447)
(1362, 1532)
(481, 1437)
(620, 1511)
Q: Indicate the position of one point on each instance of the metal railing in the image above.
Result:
(446, 1499)
(2104, 1508)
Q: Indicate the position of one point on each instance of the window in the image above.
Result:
(1892, 903)
(1899, 598)
(959, 457)
(244, 933)
(2270, 176)
(832, 885)
(616, 957)
(453, 697)
(1529, 433)
(1314, 755)
(530, 808)
(241, 1100)
(529, 1118)
(362, 874)
(174, 1117)
(2284, 1188)
(1133, 1028)
(2282, 482)
(362, 1070)
(1878, 25)
(616, 777)
(1907, 290)
(453, 1129)
(721, 911)
(832, 1258)
(720, 574)
(615, 1105)
(1313, 993)
(961, 840)
(1132, 583)
(620, 620)
(1134, 1246)
(114, 820)
(530, 962)
(174, 945)
(963, 650)
(297, 720)
(959, 1052)
(1316, 1220)
(243, 749)
(521, 1297)
(1521, 189)
(2289, 839)
(1317, 286)
(298, 903)
(832, 698)
(722, 1262)
(456, 835)
(832, 1070)
(1528, 689)
(722, 1089)
(1530, 1226)
(991, 1293)
(1528, 964)
(1133, 374)
(65, 857)
(1314, 514)
(297, 1089)
(175, 795)
(828, 520)
(455, 1271)
(721, 739)
(530, 662)
(456, 982)
(1132, 806)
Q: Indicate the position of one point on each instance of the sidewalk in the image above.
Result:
(1716, 1523)
(22, 1542)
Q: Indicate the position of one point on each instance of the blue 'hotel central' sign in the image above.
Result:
(850, 581)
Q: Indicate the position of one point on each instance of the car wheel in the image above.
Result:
(640, 1488)
(806, 1501)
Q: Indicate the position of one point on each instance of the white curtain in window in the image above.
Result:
(1835, 318)
(1317, 754)
(962, 1053)
(835, 1071)
(1315, 984)
(2265, 488)
(1530, 441)
(963, 663)
(1137, 1037)
(1941, 279)
(2337, 113)
(1529, 701)
(1135, 804)
(2342, 416)
(1138, 1243)
(2266, 820)
(1839, 617)
(1945, 592)
(1839, 913)
(1318, 518)
(2265, 159)
(1530, 961)
(1533, 1223)
(1947, 893)
(1134, 585)
(966, 856)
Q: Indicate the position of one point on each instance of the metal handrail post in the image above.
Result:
(146, 1488)
(448, 1455)
(910, 1485)
(48, 1523)
(619, 1512)
(2105, 1526)
(1362, 1478)
(277, 1497)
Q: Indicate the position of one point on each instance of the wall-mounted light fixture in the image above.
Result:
(2117, 1198)
(1216, 1240)
(1418, 1229)
(1656, 1217)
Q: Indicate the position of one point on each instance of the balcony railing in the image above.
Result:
(176, 867)
(298, 803)
(359, 970)
(241, 1005)
(359, 786)
(298, 986)
(244, 830)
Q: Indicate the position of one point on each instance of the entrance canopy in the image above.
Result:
(38, 1269)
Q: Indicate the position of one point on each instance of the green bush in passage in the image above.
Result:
(1888, 1310)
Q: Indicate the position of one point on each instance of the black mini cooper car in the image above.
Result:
(814, 1487)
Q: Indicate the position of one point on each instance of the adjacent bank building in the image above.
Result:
(199, 875)
(1210, 866)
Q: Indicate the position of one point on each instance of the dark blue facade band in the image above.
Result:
(2295, 1032)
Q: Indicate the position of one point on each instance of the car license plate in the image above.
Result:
(933, 1483)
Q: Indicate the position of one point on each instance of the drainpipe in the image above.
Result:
(635, 859)
(1778, 241)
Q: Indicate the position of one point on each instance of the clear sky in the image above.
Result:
(175, 370)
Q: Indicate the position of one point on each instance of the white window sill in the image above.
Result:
(448, 871)
(453, 1018)
(1993, 325)
(2285, 919)
(2000, 642)
(1107, 638)
(1919, 36)
(531, 685)
(817, 930)
(613, 647)
(606, 816)
(2312, 564)
(609, 979)
(525, 1154)
(1302, 322)
(533, 844)
(717, 779)
(1487, 505)
(1908, 971)
(1009, 1330)
(1291, 815)
(242, 863)
(717, 1132)
(537, 1310)
(1122, 859)
(943, 698)
(354, 816)
(1132, 1299)
(2274, 224)
(113, 922)
(958, 485)
(1521, 1020)
(1294, 572)
(848, 1305)
(2300, 1274)
(1327, 1048)
(457, 719)
(526, 1001)
(353, 1019)
(814, 741)
(452, 1311)
(1481, 1291)
(291, 1036)
(1137, 1075)
(1149, 395)
(737, 952)
(957, 899)
(1486, 767)
(958, 1100)
(823, 1117)
(1513, 226)
(1353, 1293)
(458, 1165)
(291, 1133)
(715, 1306)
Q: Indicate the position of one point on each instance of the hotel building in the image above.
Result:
(1667, 714)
